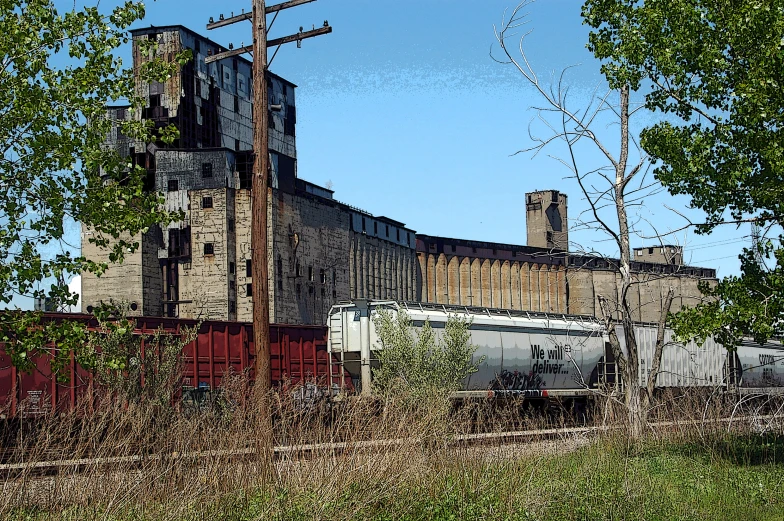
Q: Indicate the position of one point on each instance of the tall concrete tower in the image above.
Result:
(545, 217)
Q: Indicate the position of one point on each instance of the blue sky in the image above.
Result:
(402, 109)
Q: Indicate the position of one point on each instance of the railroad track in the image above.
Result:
(309, 450)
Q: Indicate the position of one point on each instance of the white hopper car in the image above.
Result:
(539, 355)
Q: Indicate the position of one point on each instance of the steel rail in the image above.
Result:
(299, 451)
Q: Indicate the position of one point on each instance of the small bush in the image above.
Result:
(422, 363)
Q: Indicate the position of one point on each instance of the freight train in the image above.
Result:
(297, 354)
(532, 355)
(538, 355)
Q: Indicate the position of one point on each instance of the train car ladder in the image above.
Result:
(336, 348)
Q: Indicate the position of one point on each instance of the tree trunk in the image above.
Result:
(636, 413)
(630, 372)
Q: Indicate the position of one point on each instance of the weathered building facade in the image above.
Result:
(546, 220)
(322, 251)
(476, 273)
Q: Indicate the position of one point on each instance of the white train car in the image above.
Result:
(530, 354)
(758, 369)
(682, 365)
(541, 355)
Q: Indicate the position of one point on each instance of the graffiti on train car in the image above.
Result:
(517, 381)
(551, 360)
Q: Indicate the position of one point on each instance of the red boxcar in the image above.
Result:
(297, 354)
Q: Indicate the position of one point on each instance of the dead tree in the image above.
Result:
(609, 191)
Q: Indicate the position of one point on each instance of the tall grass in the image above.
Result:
(395, 458)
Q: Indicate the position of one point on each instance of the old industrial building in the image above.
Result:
(322, 251)
(546, 277)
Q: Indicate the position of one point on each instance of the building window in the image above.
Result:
(286, 166)
(206, 202)
(323, 292)
(387, 230)
(232, 269)
(209, 248)
(248, 268)
(249, 290)
(650, 250)
(280, 284)
(206, 169)
(363, 224)
(334, 294)
(323, 276)
(231, 224)
(334, 277)
(549, 236)
(298, 270)
(398, 235)
(232, 306)
(237, 145)
(289, 123)
(236, 104)
(310, 289)
(232, 285)
(174, 185)
(310, 273)
(375, 228)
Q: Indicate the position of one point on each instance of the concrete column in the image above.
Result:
(383, 272)
(465, 281)
(363, 268)
(515, 285)
(476, 283)
(431, 277)
(453, 280)
(371, 283)
(535, 301)
(486, 284)
(352, 267)
(552, 289)
(441, 280)
(561, 281)
(495, 281)
(506, 286)
(525, 287)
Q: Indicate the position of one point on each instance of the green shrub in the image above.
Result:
(421, 362)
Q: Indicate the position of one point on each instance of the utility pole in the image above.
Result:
(261, 166)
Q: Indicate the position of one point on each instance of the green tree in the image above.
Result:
(714, 70)
(418, 361)
(59, 73)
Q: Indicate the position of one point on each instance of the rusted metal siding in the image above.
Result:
(298, 354)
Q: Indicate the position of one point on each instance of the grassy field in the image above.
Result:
(698, 468)
(728, 477)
